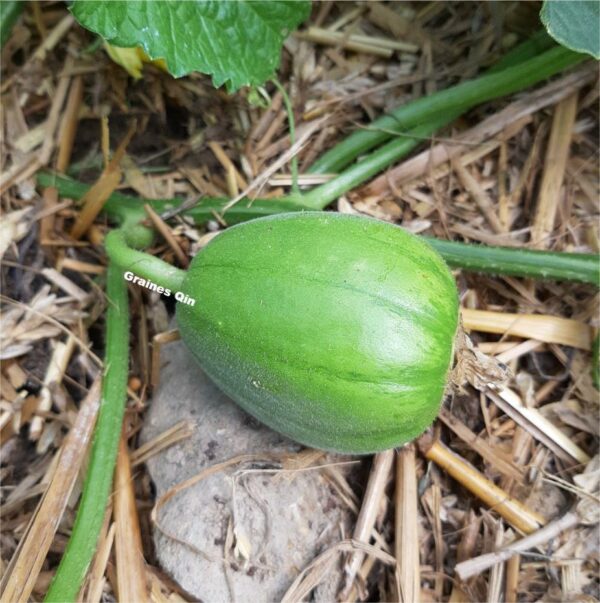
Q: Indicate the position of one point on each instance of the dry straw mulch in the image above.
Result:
(499, 501)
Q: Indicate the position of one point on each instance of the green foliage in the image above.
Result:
(9, 13)
(237, 43)
(574, 23)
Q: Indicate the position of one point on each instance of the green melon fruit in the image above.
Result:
(334, 330)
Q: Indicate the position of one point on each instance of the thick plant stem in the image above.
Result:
(446, 103)
(402, 145)
(408, 126)
(533, 46)
(583, 267)
(552, 265)
(90, 515)
(121, 207)
(136, 263)
(126, 209)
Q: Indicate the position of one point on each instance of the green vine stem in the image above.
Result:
(430, 113)
(424, 116)
(552, 265)
(120, 252)
(533, 46)
(321, 196)
(583, 267)
(446, 104)
(96, 490)
(125, 209)
(471, 257)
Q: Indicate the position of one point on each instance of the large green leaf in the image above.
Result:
(237, 42)
(574, 23)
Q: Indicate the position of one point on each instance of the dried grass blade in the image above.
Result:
(482, 448)
(54, 374)
(466, 547)
(314, 573)
(94, 200)
(160, 586)
(27, 562)
(188, 483)
(68, 126)
(19, 172)
(537, 425)
(96, 196)
(472, 567)
(407, 529)
(358, 588)
(98, 573)
(79, 266)
(157, 342)
(263, 178)
(401, 27)
(66, 284)
(503, 197)
(492, 126)
(171, 436)
(521, 349)
(380, 471)
(514, 512)
(165, 231)
(227, 164)
(497, 572)
(53, 38)
(98, 569)
(131, 574)
(554, 171)
(478, 195)
(343, 40)
(511, 585)
(49, 42)
(549, 329)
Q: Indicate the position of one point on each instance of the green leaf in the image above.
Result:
(238, 43)
(574, 24)
(9, 13)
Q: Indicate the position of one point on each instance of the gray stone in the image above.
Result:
(257, 529)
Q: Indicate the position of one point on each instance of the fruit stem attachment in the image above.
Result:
(98, 481)
(120, 251)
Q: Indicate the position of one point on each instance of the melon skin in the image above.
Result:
(334, 330)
